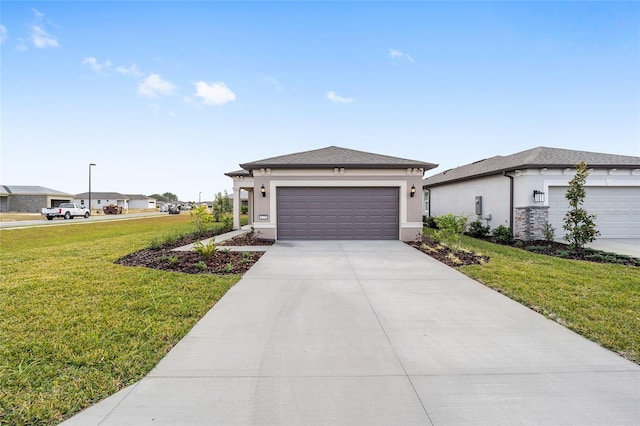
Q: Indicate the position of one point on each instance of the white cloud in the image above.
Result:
(273, 82)
(153, 86)
(37, 13)
(131, 70)
(398, 54)
(95, 65)
(333, 97)
(3, 34)
(21, 46)
(214, 93)
(42, 39)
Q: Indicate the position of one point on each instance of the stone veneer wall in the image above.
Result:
(529, 222)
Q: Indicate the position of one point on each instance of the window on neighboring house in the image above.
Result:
(82, 202)
(427, 199)
(99, 201)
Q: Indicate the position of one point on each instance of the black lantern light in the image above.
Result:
(263, 190)
(413, 191)
(538, 196)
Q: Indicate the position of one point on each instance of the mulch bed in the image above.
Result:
(221, 262)
(447, 256)
(247, 239)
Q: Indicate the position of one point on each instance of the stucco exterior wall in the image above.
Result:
(459, 198)
(265, 210)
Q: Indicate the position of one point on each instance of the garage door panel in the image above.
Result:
(617, 210)
(337, 213)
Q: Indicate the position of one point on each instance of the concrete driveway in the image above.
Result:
(366, 333)
(628, 246)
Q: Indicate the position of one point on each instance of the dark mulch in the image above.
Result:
(447, 256)
(249, 239)
(557, 249)
(221, 261)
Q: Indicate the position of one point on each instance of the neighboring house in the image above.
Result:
(527, 189)
(30, 199)
(102, 199)
(332, 193)
(139, 201)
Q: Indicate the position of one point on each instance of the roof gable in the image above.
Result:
(102, 196)
(533, 158)
(334, 156)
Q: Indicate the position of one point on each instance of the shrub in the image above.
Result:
(227, 221)
(206, 250)
(429, 222)
(478, 230)
(549, 232)
(503, 235)
(201, 265)
(451, 228)
(200, 216)
(244, 209)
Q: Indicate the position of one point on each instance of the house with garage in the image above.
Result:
(139, 201)
(30, 199)
(102, 199)
(526, 189)
(332, 193)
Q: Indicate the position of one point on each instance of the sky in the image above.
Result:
(168, 96)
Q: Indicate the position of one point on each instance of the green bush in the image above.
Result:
(549, 232)
(200, 216)
(451, 228)
(206, 250)
(429, 222)
(503, 235)
(478, 230)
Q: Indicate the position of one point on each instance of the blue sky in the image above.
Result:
(167, 96)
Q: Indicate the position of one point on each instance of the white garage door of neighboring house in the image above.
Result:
(617, 210)
(320, 213)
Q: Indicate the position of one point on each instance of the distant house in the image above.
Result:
(139, 201)
(526, 189)
(101, 199)
(30, 199)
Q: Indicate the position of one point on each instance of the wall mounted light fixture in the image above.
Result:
(538, 196)
(413, 191)
(264, 191)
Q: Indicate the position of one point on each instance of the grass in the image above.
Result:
(599, 301)
(75, 327)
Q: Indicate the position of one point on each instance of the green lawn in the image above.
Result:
(75, 327)
(598, 301)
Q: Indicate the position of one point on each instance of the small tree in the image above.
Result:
(579, 224)
(200, 216)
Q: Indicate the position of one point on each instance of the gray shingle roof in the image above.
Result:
(102, 196)
(136, 197)
(334, 156)
(532, 158)
(30, 190)
(238, 173)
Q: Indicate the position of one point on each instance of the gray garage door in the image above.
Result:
(337, 213)
(617, 210)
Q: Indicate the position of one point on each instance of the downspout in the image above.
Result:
(510, 200)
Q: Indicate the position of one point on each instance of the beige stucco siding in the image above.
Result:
(265, 208)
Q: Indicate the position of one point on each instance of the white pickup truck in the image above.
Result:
(66, 210)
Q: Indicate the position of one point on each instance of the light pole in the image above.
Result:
(90, 164)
